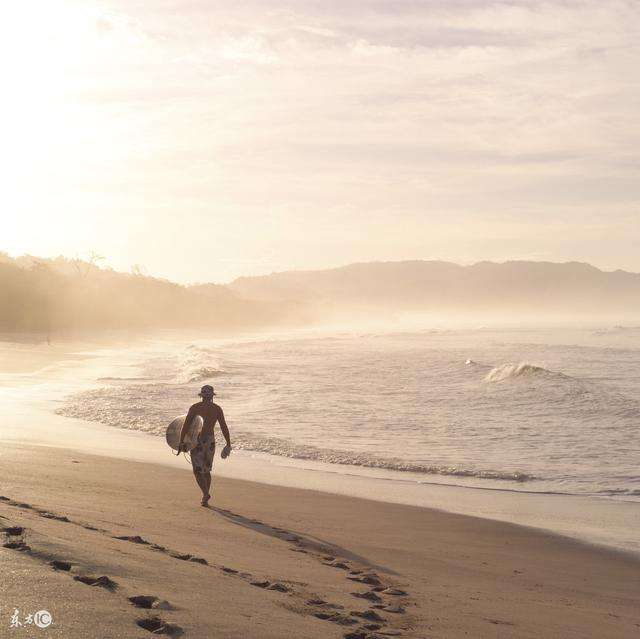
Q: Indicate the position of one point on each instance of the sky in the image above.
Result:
(203, 140)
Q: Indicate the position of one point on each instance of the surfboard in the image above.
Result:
(191, 436)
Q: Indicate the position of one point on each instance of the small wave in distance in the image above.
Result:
(522, 369)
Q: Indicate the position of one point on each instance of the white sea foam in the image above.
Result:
(198, 364)
(129, 408)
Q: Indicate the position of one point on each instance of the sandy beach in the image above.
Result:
(113, 545)
(269, 561)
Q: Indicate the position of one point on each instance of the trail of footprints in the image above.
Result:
(380, 596)
(15, 539)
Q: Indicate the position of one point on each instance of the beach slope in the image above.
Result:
(114, 548)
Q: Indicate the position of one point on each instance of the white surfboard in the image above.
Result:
(191, 436)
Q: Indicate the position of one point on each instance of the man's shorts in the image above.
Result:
(202, 455)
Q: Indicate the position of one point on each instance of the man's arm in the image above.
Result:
(187, 420)
(225, 432)
(224, 428)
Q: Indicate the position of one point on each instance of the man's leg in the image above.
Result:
(207, 468)
(198, 461)
(205, 477)
(202, 482)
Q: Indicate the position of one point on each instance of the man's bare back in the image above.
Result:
(210, 413)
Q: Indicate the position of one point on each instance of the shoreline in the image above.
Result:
(573, 516)
(576, 518)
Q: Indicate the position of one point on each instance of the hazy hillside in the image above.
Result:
(60, 294)
(532, 288)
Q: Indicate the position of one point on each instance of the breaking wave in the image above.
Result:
(199, 374)
(514, 371)
(198, 365)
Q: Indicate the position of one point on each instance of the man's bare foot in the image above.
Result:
(205, 500)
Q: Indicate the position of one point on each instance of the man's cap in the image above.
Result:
(206, 392)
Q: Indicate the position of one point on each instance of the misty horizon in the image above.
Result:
(52, 296)
(102, 263)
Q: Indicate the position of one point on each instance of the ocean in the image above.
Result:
(535, 410)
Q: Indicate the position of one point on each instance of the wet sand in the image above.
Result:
(268, 561)
(25, 357)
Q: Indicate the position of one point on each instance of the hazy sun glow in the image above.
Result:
(207, 140)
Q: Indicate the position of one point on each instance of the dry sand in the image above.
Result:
(272, 562)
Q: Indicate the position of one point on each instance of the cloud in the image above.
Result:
(432, 109)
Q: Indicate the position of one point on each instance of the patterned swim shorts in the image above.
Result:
(202, 455)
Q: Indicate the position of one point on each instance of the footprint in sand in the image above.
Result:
(102, 582)
(17, 545)
(279, 587)
(335, 617)
(187, 557)
(48, 515)
(230, 571)
(158, 626)
(337, 564)
(267, 585)
(135, 539)
(13, 531)
(15, 539)
(370, 615)
(261, 584)
(397, 610)
(149, 601)
(369, 596)
(370, 579)
(324, 604)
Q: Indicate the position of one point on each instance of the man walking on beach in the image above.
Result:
(202, 454)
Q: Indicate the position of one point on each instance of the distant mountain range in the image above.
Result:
(522, 287)
(61, 294)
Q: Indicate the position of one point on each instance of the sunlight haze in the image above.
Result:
(208, 140)
(320, 319)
